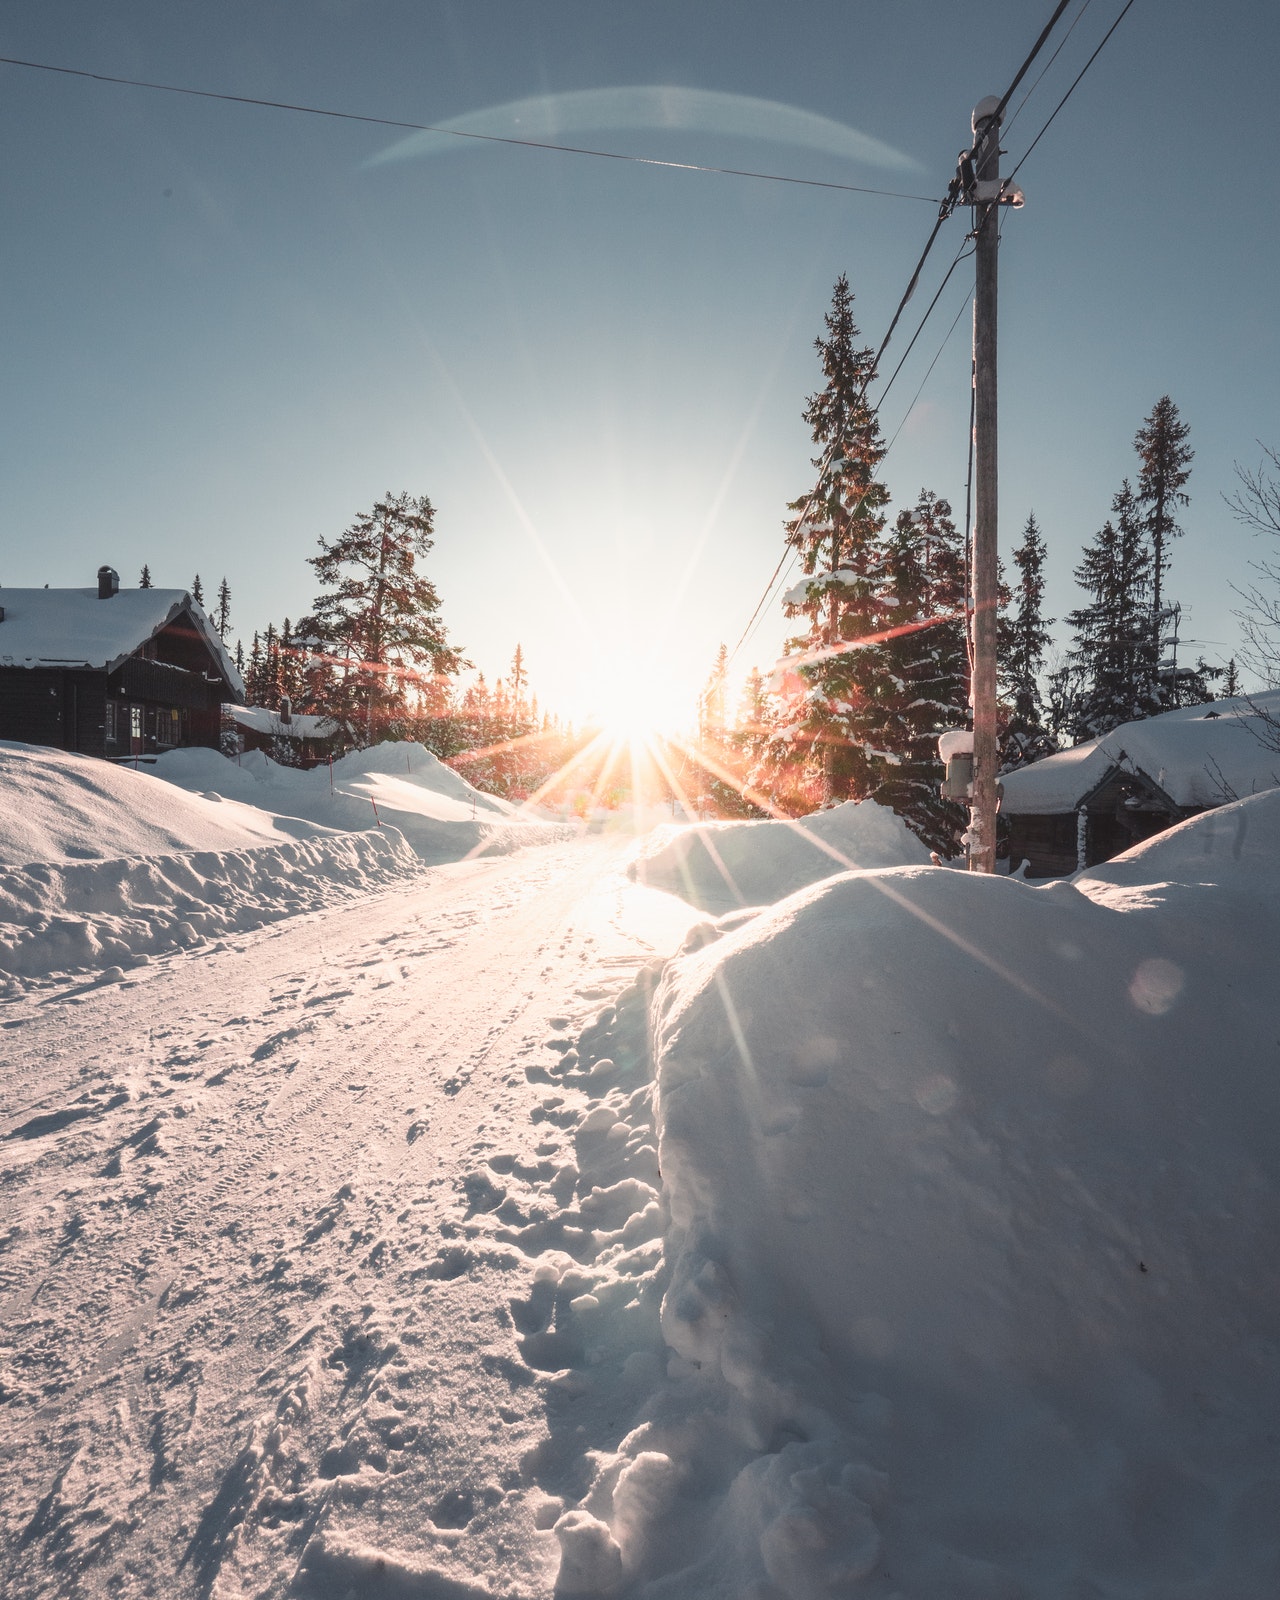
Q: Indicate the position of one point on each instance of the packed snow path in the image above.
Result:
(271, 1312)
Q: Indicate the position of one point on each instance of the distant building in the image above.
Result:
(294, 738)
(1085, 805)
(111, 672)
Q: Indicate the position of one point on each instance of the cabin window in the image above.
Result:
(111, 722)
(135, 722)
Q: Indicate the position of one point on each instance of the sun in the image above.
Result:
(633, 701)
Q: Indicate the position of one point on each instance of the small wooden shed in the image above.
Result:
(1086, 805)
(293, 738)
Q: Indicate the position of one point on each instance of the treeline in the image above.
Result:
(880, 663)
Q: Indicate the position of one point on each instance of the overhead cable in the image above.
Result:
(457, 133)
(1026, 65)
(1044, 70)
(1071, 90)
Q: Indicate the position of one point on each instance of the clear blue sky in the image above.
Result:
(228, 330)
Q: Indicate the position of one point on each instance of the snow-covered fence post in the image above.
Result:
(1082, 839)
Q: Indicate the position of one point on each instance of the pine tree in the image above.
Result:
(712, 717)
(144, 582)
(518, 678)
(1024, 641)
(1166, 466)
(253, 671)
(240, 657)
(222, 615)
(1231, 683)
(837, 530)
(380, 616)
(1115, 650)
(923, 687)
(197, 590)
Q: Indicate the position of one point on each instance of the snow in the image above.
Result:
(955, 742)
(301, 725)
(817, 583)
(1191, 753)
(397, 783)
(73, 627)
(513, 1229)
(61, 807)
(720, 865)
(103, 868)
(973, 1190)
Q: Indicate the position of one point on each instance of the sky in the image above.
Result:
(229, 329)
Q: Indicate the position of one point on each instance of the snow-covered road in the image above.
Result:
(271, 1311)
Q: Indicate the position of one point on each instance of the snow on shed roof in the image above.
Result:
(1192, 753)
(301, 724)
(74, 628)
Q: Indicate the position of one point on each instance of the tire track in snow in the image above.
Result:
(501, 942)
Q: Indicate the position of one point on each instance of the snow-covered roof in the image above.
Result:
(300, 725)
(1199, 755)
(74, 628)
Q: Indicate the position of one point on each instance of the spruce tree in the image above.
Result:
(1115, 649)
(222, 613)
(380, 616)
(712, 716)
(144, 582)
(923, 681)
(197, 590)
(838, 531)
(1166, 466)
(1024, 641)
(518, 678)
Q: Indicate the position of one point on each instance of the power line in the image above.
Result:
(457, 133)
(1025, 67)
(959, 257)
(1004, 128)
(1071, 90)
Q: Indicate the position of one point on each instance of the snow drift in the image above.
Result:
(722, 865)
(974, 1191)
(60, 807)
(58, 917)
(396, 783)
(102, 867)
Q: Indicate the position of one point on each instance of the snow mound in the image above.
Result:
(102, 866)
(401, 784)
(721, 865)
(106, 916)
(61, 807)
(974, 1189)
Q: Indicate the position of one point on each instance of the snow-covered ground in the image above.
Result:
(912, 1236)
(103, 867)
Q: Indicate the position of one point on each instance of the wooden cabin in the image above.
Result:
(111, 672)
(1084, 806)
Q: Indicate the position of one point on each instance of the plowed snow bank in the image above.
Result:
(974, 1189)
(109, 915)
(722, 865)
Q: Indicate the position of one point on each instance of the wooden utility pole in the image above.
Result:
(986, 195)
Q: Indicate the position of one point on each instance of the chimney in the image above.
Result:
(286, 711)
(108, 582)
